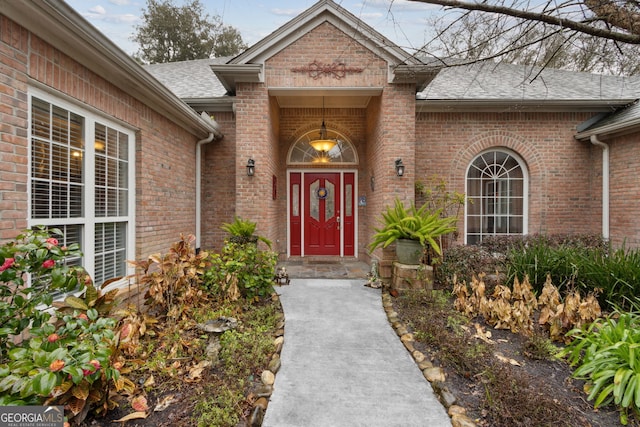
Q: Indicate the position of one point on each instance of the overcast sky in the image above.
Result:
(401, 21)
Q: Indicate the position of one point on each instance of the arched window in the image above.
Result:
(496, 196)
(303, 153)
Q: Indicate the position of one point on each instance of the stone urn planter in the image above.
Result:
(408, 251)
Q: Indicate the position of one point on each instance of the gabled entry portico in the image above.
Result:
(325, 67)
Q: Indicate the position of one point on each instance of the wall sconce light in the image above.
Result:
(251, 167)
(399, 167)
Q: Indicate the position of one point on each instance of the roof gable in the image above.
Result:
(248, 66)
(324, 11)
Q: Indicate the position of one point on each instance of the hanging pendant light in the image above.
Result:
(323, 144)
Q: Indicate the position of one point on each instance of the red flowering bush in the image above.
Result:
(33, 268)
(68, 362)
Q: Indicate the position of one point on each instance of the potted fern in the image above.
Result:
(412, 229)
(243, 231)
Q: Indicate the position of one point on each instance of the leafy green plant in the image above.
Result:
(243, 231)
(606, 354)
(33, 269)
(52, 357)
(423, 225)
(68, 363)
(241, 269)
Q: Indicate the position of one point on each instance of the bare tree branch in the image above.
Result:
(616, 15)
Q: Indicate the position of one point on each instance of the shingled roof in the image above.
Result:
(480, 81)
(501, 81)
(620, 121)
(190, 79)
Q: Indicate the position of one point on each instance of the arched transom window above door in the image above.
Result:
(302, 152)
(496, 196)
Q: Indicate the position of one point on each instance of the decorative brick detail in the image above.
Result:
(336, 70)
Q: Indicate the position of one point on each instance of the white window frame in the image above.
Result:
(525, 193)
(89, 220)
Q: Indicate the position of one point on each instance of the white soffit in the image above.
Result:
(331, 97)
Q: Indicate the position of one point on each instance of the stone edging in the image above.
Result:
(433, 374)
(268, 376)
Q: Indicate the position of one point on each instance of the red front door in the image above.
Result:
(322, 213)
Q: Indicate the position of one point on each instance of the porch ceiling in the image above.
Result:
(332, 97)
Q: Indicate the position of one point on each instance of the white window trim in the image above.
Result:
(89, 219)
(525, 189)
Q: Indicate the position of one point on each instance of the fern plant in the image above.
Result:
(421, 224)
(243, 231)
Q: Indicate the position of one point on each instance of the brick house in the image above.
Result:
(126, 158)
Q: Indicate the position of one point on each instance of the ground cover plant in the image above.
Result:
(500, 378)
(505, 344)
(144, 359)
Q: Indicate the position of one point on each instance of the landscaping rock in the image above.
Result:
(447, 398)
(434, 374)
(267, 377)
(418, 356)
(274, 365)
(462, 421)
(264, 391)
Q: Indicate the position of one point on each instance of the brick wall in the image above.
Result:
(256, 138)
(165, 153)
(218, 183)
(562, 195)
(327, 45)
(624, 204)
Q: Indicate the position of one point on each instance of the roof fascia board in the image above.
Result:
(230, 74)
(621, 128)
(61, 26)
(516, 105)
(212, 105)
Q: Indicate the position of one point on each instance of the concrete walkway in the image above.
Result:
(343, 365)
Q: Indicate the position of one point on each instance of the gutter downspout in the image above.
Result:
(605, 184)
(199, 145)
(215, 134)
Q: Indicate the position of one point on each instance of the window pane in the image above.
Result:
(110, 251)
(314, 201)
(57, 163)
(349, 200)
(123, 202)
(495, 194)
(296, 199)
(39, 199)
(40, 119)
(330, 201)
(123, 152)
(303, 152)
(40, 155)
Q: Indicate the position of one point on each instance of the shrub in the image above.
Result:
(173, 280)
(33, 269)
(63, 362)
(241, 270)
(466, 261)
